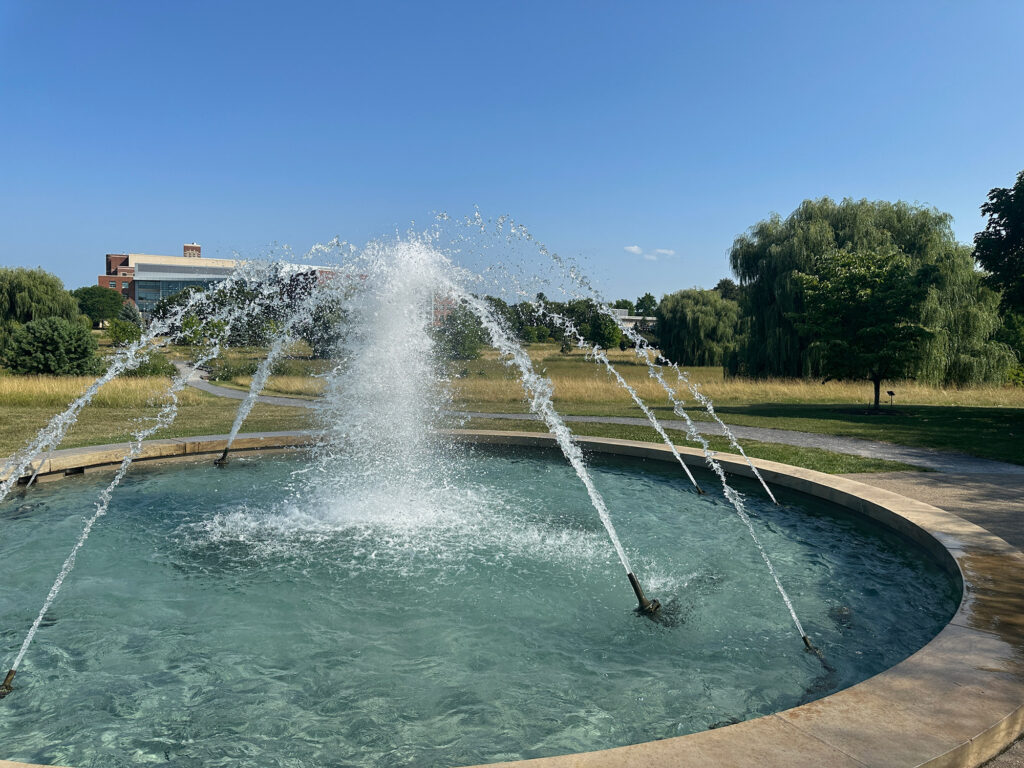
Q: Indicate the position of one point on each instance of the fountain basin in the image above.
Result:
(957, 700)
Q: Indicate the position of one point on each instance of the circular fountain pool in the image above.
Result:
(254, 615)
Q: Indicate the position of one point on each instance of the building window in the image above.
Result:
(113, 284)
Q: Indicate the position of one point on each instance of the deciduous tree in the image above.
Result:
(1000, 247)
(861, 309)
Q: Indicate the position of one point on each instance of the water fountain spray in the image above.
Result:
(539, 390)
(163, 419)
(50, 436)
(594, 351)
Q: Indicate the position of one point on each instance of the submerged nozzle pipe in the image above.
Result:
(6, 687)
(222, 460)
(646, 607)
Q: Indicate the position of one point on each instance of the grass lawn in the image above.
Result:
(27, 406)
(810, 458)
(982, 421)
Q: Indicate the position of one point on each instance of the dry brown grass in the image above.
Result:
(582, 383)
(306, 386)
(59, 391)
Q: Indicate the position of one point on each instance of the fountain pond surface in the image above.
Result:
(261, 615)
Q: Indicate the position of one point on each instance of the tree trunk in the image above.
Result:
(878, 390)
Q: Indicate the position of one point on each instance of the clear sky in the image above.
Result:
(638, 137)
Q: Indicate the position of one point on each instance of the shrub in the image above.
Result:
(51, 345)
(122, 332)
(156, 364)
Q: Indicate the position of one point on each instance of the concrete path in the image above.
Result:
(937, 461)
(993, 501)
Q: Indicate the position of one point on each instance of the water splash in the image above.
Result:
(163, 419)
(50, 437)
(595, 352)
(539, 390)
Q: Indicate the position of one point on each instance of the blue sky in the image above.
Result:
(606, 128)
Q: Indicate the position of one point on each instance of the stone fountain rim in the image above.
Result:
(958, 701)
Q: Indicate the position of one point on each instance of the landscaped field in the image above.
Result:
(982, 421)
(28, 402)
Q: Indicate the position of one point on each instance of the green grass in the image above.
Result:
(809, 458)
(984, 421)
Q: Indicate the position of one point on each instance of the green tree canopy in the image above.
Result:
(99, 303)
(964, 315)
(130, 313)
(460, 335)
(122, 332)
(1000, 247)
(32, 294)
(625, 304)
(769, 256)
(862, 310)
(646, 305)
(728, 289)
(52, 345)
(697, 327)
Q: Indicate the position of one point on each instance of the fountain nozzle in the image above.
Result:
(646, 607)
(6, 687)
(222, 460)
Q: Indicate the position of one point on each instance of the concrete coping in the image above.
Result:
(958, 701)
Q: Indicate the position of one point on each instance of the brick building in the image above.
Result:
(147, 278)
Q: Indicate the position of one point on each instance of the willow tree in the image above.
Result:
(770, 255)
(697, 327)
(964, 314)
(32, 294)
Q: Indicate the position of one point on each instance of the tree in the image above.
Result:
(130, 313)
(32, 294)
(591, 323)
(861, 309)
(767, 258)
(1000, 247)
(964, 315)
(99, 303)
(460, 336)
(697, 327)
(122, 333)
(51, 345)
(646, 305)
(728, 289)
(625, 304)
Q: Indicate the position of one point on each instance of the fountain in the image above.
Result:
(396, 551)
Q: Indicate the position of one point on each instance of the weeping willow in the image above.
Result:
(33, 294)
(697, 327)
(958, 309)
(964, 316)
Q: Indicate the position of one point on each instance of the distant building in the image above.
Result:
(146, 278)
(639, 322)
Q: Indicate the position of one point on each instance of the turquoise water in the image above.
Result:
(250, 616)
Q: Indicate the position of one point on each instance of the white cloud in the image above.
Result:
(636, 250)
(664, 252)
(652, 256)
